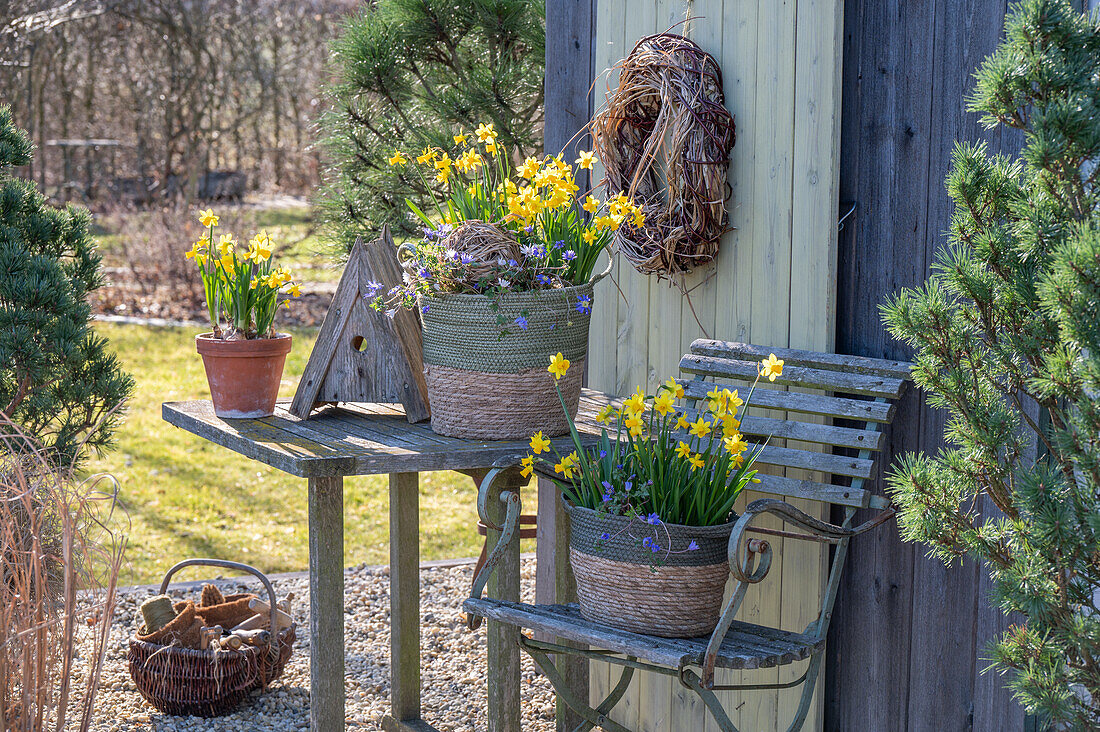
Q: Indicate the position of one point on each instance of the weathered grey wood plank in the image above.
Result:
(799, 488)
(404, 596)
(555, 584)
(792, 429)
(838, 381)
(501, 639)
(798, 357)
(790, 401)
(326, 604)
(746, 647)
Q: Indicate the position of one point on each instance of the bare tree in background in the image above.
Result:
(185, 87)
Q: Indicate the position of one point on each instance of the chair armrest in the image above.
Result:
(511, 501)
(750, 560)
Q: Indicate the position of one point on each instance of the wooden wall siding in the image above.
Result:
(906, 644)
(772, 283)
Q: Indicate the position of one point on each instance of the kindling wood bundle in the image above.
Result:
(664, 137)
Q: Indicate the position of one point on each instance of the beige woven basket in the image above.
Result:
(625, 585)
(486, 374)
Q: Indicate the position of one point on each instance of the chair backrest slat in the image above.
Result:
(842, 381)
(842, 385)
(790, 429)
(791, 401)
(797, 357)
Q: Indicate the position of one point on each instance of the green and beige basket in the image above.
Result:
(625, 585)
(488, 386)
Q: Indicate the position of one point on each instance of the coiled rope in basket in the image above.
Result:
(669, 100)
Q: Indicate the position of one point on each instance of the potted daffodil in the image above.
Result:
(243, 354)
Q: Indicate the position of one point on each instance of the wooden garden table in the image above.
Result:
(371, 439)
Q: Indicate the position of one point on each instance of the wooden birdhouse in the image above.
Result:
(362, 355)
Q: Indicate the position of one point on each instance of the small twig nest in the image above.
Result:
(669, 101)
(485, 243)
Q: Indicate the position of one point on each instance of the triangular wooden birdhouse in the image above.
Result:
(362, 355)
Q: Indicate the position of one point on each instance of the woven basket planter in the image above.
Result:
(625, 585)
(485, 386)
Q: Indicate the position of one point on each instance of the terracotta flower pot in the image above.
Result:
(243, 375)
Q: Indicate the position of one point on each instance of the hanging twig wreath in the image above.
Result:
(669, 101)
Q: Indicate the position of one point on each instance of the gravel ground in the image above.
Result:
(452, 668)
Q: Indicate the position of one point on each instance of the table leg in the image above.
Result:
(555, 584)
(503, 649)
(326, 604)
(404, 600)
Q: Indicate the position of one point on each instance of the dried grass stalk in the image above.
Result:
(664, 138)
(59, 565)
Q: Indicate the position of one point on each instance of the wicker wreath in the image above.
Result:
(665, 138)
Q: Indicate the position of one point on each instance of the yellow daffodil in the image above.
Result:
(295, 290)
(589, 236)
(664, 403)
(591, 204)
(682, 422)
(491, 147)
(604, 415)
(528, 464)
(735, 444)
(696, 462)
(225, 245)
(585, 160)
(674, 386)
(426, 157)
(208, 218)
(733, 400)
(638, 219)
(634, 424)
(253, 284)
(636, 402)
(460, 139)
(730, 425)
(485, 132)
(604, 223)
(529, 168)
(559, 364)
(398, 158)
(683, 449)
(442, 176)
(259, 251)
(771, 367)
(198, 249)
(567, 465)
(700, 428)
(539, 443)
(717, 399)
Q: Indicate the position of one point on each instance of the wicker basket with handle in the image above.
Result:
(183, 681)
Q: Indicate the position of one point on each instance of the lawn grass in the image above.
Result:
(186, 497)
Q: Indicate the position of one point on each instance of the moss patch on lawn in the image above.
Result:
(186, 497)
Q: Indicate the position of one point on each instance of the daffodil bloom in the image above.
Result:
(485, 132)
(638, 219)
(683, 449)
(208, 218)
(591, 204)
(585, 160)
(674, 386)
(491, 147)
(529, 168)
(730, 425)
(258, 252)
(528, 464)
(460, 139)
(539, 443)
(682, 423)
(567, 465)
(664, 403)
(696, 462)
(295, 290)
(700, 428)
(426, 157)
(398, 158)
(225, 245)
(733, 400)
(604, 415)
(604, 222)
(636, 402)
(771, 367)
(589, 236)
(735, 444)
(253, 284)
(634, 424)
(197, 250)
(559, 364)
